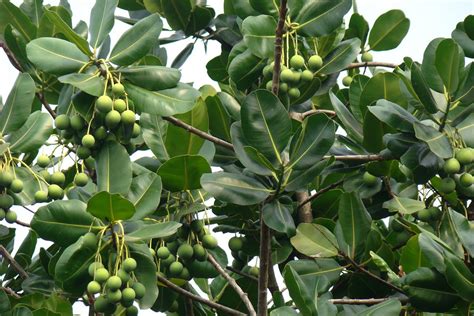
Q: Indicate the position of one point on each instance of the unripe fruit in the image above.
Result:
(93, 267)
(58, 178)
(62, 122)
(424, 215)
(369, 179)
(6, 201)
(131, 311)
(465, 156)
(90, 240)
(185, 275)
(113, 296)
(185, 252)
(77, 123)
(294, 93)
(11, 217)
(128, 294)
(83, 152)
(81, 179)
(2, 214)
(123, 275)
(367, 57)
(447, 186)
(129, 264)
(128, 117)
(104, 104)
(452, 166)
(254, 271)
(163, 252)
(297, 61)
(136, 130)
(118, 89)
(296, 77)
(283, 87)
(267, 71)
(6, 178)
(199, 252)
(101, 275)
(120, 105)
(152, 251)
(286, 75)
(43, 161)
(168, 261)
(269, 85)
(45, 175)
(93, 287)
(41, 196)
(100, 133)
(139, 290)
(55, 192)
(90, 163)
(88, 141)
(435, 213)
(235, 244)
(176, 268)
(112, 119)
(16, 186)
(307, 75)
(315, 62)
(196, 225)
(466, 180)
(346, 81)
(114, 283)
(101, 304)
(209, 242)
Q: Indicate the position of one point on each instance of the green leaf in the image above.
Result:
(355, 222)
(449, 63)
(312, 141)
(136, 42)
(14, 16)
(412, 257)
(358, 27)
(460, 278)
(428, 67)
(393, 115)
(404, 205)
(341, 56)
(63, 222)
(299, 179)
(266, 124)
(278, 217)
(89, 83)
(101, 21)
(183, 56)
(165, 102)
(464, 230)
(234, 188)
(184, 172)
(152, 77)
(315, 241)
(219, 118)
(110, 207)
(145, 193)
(112, 158)
(316, 18)
(56, 56)
(259, 35)
(389, 30)
(462, 38)
(69, 34)
(390, 307)
(384, 85)
(350, 124)
(201, 17)
(437, 141)
(152, 231)
(283, 311)
(422, 89)
(33, 134)
(178, 13)
(299, 292)
(154, 130)
(17, 108)
(466, 130)
(245, 69)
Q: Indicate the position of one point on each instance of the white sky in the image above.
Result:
(429, 19)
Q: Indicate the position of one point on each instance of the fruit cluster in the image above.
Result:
(458, 172)
(365, 58)
(236, 246)
(8, 184)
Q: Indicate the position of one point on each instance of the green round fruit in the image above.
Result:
(466, 180)
(209, 242)
(90, 240)
(199, 252)
(294, 93)
(101, 304)
(136, 130)
(346, 81)
(139, 290)
(307, 75)
(129, 264)
(166, 262)
(197, 225)
(11, 217)
(175, 268)
(41, 196)
(267, 71)
(6, 178)
(283, 87)
(112, 119)
(120, 105)
(16, 186)
(123, 275)
(451, 166)
(447, 186)
(43, 161)
(128, 294)
(83, 152)
(55, 192)
(118, 89)
(93, 267)
(93, 287)
(88, 141)
(465, 156)
(104, 104)
(286, 75)
(81, 179)
(131, 311)
(113, 296)
(163, 252)
(367, 57)
(2, 214)
(114, 283)
(58, 178)
(235, 244)
(101, 275)
(269, 85)
(152, 251)
(6, 201)
(77, 123)
(435, 213)
(45, 175)
(296, 77)
(100, 133)
(254, 271)
(185, 275)
(128, 117)
(369, 179)
(315, 62)
(185, 252)
(62, 122)
(297, 62)
(424, 215)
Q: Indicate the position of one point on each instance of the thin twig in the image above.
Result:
(233, 284)
(10, 292)
(237, 271)
(358, 157)
(22, 223)
(215, 36)
(189, 306)
(197, 298)
(371, 64)
(322, 191)
(301, 116)
(365, 301)
(15, 265)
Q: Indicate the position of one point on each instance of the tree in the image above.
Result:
(360, 195)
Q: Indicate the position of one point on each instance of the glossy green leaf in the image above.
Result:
(234, 188)
(422, 89)
(63, 222)
(404, 205)
(350, 124)
(245, 69)
(265, 7)
(462, 38)
(152, 77)
(384, 85)
(152, 231)
(266, 124)
(111, 158)
(412, 256)
(449, 62)
(183, 56)
(466, 129)
(428, 67)
(110, 207)
(437, 141)
(464, 229)
(177, 13)
(55, 55)
(136, 42)
(390, 307)
(184, 172)
(358, 27)
(315, 241)
(17, 108)
(299, 179)
(341, 56)
(145, 194)
(393, 115)
(89, 83)
(33, 134)
(154, 130)
(299, 292)
(219, 118)
(389, 30)
(101, 21)
(278, 217)
(200, 18)
(9, 12)
(460, 278)
(259, 35)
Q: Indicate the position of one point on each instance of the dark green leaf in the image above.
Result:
(33, 134)
(259, 35)
(182, 173)
(389, 30)
(145, 193)
(245, 69)
(183, 56)
(154, 130)
(145, 273)
(403, 205)
(177, 13)
(113, 158)
(90, 84)
(101, 21)
(460, 278)
(341, 56)
(350, 124)
(110, 207)
(152, 77)
(437, 141)
(152, 231)
(314, 241)
(390, 307)
(393, 115)
(278, 217)
(422, 89)
(14, 16)
(449, 62)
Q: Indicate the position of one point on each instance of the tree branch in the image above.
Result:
(197, 298)
(243, 296)
(15, 265)
(301, 116)
(365, 301)
(278, 47)
(10, 292)
(237, 271)
(322, 191)
(371, 64)
(22, 223)
(264, 254)
(357, 157)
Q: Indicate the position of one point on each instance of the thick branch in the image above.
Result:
(15, 265)
(305, 214)
(264, 254)
(372, 64)
(197, 298)
(314, 196)
(278, 47)
(233, 284)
